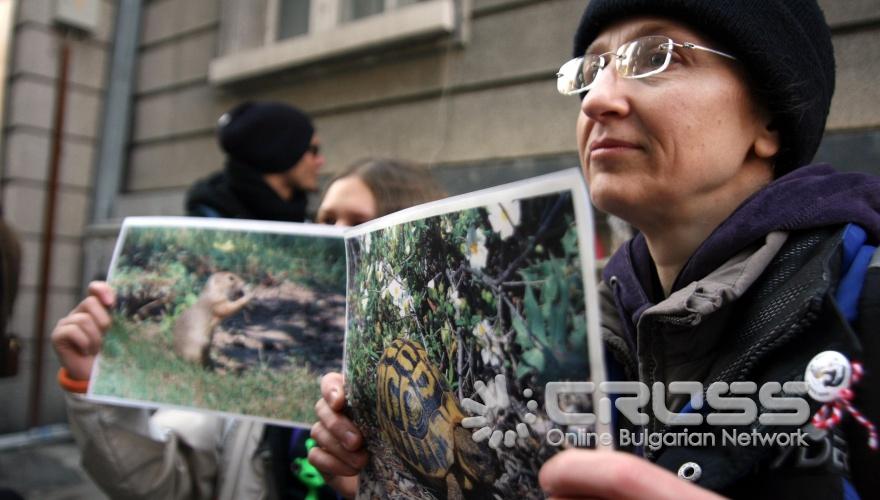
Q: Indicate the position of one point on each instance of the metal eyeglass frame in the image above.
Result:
(572, 72)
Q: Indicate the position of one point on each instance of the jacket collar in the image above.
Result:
(809, 197)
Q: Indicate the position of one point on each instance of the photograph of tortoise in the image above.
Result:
(442, 306)
(421, 419)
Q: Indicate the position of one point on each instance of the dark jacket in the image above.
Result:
(755, 303)
(239, 192)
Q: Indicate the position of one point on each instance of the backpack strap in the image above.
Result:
(857, 255)
(865, 462)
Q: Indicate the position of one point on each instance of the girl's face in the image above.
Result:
(348, 202)
(679, 142)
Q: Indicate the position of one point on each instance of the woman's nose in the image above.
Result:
(607, 98)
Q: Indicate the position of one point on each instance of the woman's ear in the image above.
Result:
(767, 139)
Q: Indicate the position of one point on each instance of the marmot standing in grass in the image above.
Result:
(223, 295)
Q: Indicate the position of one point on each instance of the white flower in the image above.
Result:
(395, 290)
(431, 284)
(380, 274)
(447, 225)
(364, 302)
(490, 345)
(225, 247)
(400, 296)
(504, 217)
(476, 249)
(457, 302)
(406, 305)
(483, 329)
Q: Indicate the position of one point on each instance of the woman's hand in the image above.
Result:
(599, 474)
(339, 455)
(78, 336)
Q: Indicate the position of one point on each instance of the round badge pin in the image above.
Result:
(828, 374)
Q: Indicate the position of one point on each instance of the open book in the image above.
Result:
(449, 320)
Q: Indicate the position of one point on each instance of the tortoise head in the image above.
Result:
(477, 460)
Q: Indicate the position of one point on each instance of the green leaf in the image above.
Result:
(570, 241)
(522, 333)
(559, 323)
(535, 357)
(550, 290)
(523, 369)
(533, 316)
(578, 337)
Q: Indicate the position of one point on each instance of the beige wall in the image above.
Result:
(32, 73)
(493, 97)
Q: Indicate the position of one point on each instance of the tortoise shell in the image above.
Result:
(417, 412)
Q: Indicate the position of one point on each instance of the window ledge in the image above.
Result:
(421, 20)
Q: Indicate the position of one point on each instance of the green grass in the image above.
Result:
(141, 367)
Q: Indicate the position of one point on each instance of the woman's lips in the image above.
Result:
(605, 147)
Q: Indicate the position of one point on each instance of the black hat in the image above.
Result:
(784, 45)
(266, 136)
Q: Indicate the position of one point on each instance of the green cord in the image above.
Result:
(308, 474)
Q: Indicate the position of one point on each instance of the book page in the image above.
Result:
(236, 317)
(462, 315)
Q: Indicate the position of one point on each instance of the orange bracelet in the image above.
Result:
(71, 384)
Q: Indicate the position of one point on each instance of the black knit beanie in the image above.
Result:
(784, 45)
(266, 136)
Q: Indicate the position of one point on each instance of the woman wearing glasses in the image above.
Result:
(696, 123)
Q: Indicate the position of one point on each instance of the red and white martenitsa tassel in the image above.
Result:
(831, 413)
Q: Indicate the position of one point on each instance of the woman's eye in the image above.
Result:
(657, 59)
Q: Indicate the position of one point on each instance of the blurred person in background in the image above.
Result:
(10, 346)
(273, 157)
(373, 188)
(10, 266)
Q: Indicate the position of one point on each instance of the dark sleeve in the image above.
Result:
(619, 352)
(203, 211)
(865, 462)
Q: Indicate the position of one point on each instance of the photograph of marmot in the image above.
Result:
(237, 317)
(222, 296)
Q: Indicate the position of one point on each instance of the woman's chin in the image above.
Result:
(609, 197)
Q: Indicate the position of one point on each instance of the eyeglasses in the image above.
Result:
(315, 149)
(639, 58)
